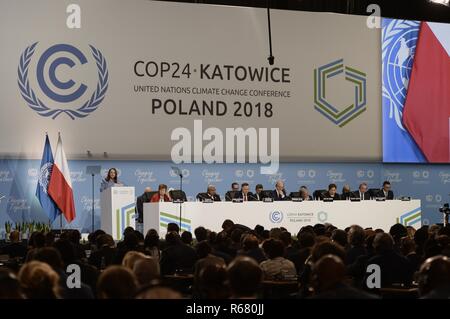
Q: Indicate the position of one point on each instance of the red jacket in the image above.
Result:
(156, 198)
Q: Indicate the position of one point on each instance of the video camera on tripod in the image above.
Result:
(445, 209)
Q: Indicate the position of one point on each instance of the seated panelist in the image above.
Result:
(304, 193)
(386, 191)
(331, 193)
(362, 192)
(245, 193)
(279, 193)
(162, 195)
(210, 194)
(230, 194)
(346, 192)
(258, 192)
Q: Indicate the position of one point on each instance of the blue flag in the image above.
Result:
(399, 39)
(45, 172)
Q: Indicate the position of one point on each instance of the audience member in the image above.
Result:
(329, 280)
(245, 277)
(277, 267)
(395, 268)
(434, 278)
(39, 281)
(177, 257)
(146, 270)
(116, 282)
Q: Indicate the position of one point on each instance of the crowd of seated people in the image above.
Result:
(320, 261)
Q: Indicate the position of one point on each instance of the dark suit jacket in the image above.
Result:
(178, 257)
(275, 196)
(344, 291)
(144, 198)
(327, 195)
(229, 195)
(258, 197)
(389, 196)
(106, 253)
(357, 194)
(346, 195)
(203, 196)
(256, 253)
(395, 268)
(353, 253)
(250, 196)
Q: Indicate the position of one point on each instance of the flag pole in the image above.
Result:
(60, 223)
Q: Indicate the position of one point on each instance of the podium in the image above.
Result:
(117, 207)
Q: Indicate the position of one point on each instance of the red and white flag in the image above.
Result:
(60, 185)
(426, 114)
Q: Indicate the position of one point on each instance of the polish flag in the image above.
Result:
(426, 114)
(60, 185)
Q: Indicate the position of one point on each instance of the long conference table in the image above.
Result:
(287, 214)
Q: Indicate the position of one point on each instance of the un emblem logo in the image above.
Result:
(276, 217)
(63, 93)
(399, 40)
(44, 175)
(339, 115)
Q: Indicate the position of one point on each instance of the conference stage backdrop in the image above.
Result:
(136, 70)
(416, 78)
(18, 179)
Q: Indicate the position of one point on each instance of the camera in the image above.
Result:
(445, 209)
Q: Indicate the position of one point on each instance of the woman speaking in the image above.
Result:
(110, 180)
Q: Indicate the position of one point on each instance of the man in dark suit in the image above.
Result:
(245, 193)
(140, 200)
(279, 193)
(209, 195)
(395, 268)
(362, 193)
(177, 256)
(386, 191)
(230, 194)
(258, 192)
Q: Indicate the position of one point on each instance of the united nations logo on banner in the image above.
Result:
(58, 95)
(276, 216)
(399, 40)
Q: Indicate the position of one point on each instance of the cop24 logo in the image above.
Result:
(53, 91)
(276, 216)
